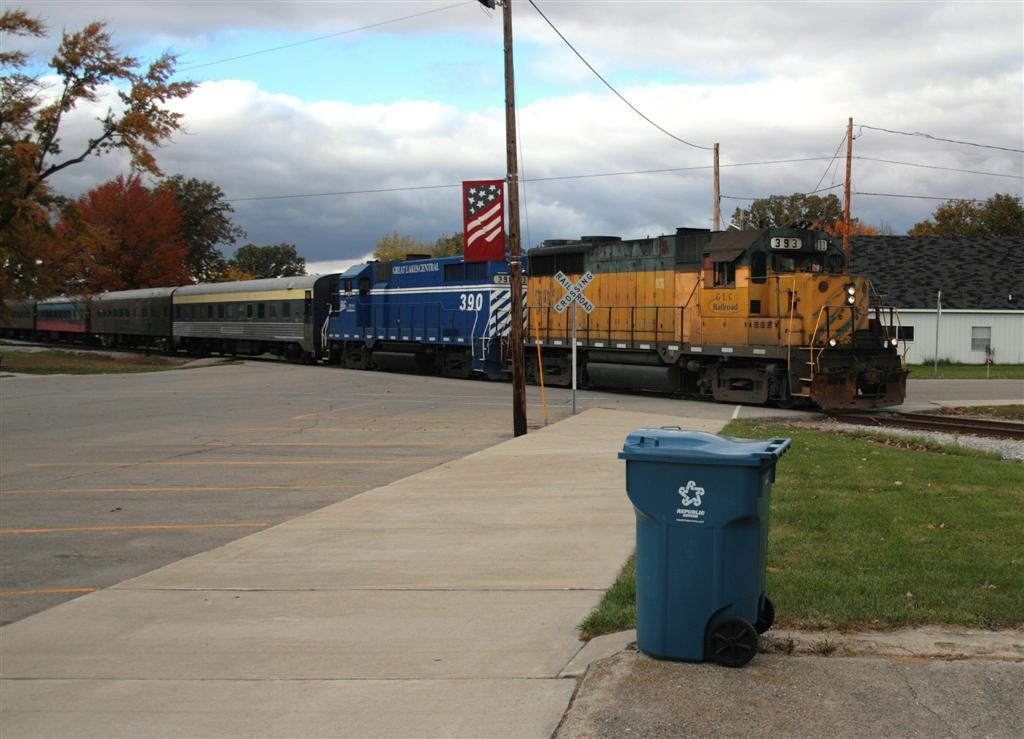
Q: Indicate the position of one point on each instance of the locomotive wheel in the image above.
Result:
(765, 617)
(731, 642)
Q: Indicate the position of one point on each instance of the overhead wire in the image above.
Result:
(609, 85)
(918, 197)
(556, 178)
(324, 37)
(939, 138)
(829, 167)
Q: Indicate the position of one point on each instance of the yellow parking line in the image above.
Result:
(233, 462)
(217, 489)
(47, 591)
(143, 527)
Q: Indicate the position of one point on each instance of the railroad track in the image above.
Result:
(934, 422)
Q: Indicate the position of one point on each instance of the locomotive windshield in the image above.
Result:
(806, 262)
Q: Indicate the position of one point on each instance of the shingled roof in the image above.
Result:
(973, 273)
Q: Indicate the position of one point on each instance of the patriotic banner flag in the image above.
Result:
(484, 220)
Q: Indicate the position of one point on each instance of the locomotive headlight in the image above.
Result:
(851, 299)
(851, 290)
(833, 341)
(893, 341)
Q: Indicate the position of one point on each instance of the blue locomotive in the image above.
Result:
(438, 315)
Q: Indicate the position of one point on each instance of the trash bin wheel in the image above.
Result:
(766, 617)
(731, 642)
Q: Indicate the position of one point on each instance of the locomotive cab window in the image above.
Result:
(286, 310)
(813, 263)
(261, 310)
(758, 267)
(725, 274)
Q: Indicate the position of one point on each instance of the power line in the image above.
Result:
(609, 86)
(944, 169)
(341, 192)
(322, 38)
(938, 138)
(524, 180)
(918, 197)
(825, 173)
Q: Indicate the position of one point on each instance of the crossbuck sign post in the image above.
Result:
(574, 296)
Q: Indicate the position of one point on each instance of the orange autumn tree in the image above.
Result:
(130, 237)
(856, 228)
(35, 105)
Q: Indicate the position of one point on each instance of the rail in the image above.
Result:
(934, 422)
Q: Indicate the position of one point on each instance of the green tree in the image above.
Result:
(448, 246)
(275, 260)
(31, 150)
(394, 246)
(785, 210)
(206, 224)
(1000, 215)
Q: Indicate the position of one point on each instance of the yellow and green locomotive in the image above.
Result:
(761, 316)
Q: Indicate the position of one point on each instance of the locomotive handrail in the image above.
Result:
(893, 314)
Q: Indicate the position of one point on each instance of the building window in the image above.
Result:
(905, 333)
(286, 310)
(248, 310)
(261, 310)
(220, 310)
(981, 338)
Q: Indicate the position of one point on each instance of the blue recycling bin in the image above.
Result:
(701, 505)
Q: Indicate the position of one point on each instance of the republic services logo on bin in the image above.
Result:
(691, 496)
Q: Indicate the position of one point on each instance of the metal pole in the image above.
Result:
(846, 206)
(574, 304)
(938, 315)
(515, 266)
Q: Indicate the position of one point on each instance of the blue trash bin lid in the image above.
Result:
(673, 444)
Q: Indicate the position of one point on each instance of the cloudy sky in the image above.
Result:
(329, 101)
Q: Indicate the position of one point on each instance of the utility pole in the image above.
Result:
(515, 277)
(718, 197)
(846, 206)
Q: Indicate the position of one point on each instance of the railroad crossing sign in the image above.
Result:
(574, 292)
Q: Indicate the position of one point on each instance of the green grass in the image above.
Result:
(59, 362)
(869, 533)
(949, 371)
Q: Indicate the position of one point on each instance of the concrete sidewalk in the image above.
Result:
(443, 604)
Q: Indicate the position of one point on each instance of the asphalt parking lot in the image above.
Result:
(108, 476)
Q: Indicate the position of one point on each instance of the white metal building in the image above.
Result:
(964, 335)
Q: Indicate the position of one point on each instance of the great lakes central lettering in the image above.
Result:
(406, 269)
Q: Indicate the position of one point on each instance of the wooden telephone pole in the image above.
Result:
(515, 276)
(846, 204)
(718, 197)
